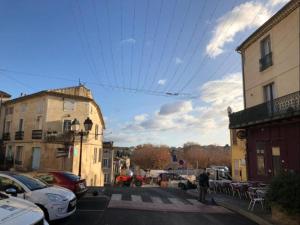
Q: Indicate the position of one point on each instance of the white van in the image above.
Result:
(15, 211)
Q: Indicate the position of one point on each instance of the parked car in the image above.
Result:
(15, 211)
(126, 180)
(65, 179)
(175, 180)
(56, 202)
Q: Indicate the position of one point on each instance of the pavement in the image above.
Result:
(149, 206)
(258, 215)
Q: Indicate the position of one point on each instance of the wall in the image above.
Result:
(285, 135)
(238, 154)
(285, 70)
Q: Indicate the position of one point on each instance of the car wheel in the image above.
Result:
(138, 183)
(46, 214)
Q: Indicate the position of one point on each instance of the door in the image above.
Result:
(36, 156)
(276, 160)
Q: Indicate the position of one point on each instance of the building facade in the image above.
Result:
(270, 122)
(36, 133)
(108, 163)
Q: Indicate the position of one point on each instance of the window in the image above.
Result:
(67, 125)
(7, 126)
(95, 155)
(9, 155)
(96, 132)
(19, 155)
(266, 54)
(269, 96)
(39, 107)
(9, 110)
(276, 160)
(23, 107)
(106, 178)
(260, 157)
(69, 105)
(236, 168)
(105, 163)
(39, 122)
(21, 125)
(234, 137)
(99, 155)
(6, 183)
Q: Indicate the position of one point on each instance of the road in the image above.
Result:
(149, 206)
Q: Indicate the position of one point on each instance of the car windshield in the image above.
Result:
(31, 183)
(71, 176)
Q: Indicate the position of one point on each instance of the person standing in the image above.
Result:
(203, 186)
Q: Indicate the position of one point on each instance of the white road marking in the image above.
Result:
(156, 200)
(194, 202)
(136, 198)
(176, 201)
(116, 197)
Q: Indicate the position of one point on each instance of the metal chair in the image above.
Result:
(253, 199)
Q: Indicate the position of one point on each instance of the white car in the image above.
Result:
(15, 211)
(56, 202)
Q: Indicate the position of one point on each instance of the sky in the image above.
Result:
(162, 71)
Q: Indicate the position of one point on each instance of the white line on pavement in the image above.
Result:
(176, 201)
(136, 198)
(156, 200)
(116, 197)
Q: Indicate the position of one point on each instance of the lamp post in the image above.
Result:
(75, 126)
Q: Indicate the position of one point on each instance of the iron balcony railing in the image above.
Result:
(282, 107)
(65, 137)
(266, 61)
(6, 137)
(37, 134)
(19, 135)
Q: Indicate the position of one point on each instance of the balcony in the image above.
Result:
(53, 136)
(6, 137)
(266, 61)
(37, 134)
(280, 108)
(19, 135)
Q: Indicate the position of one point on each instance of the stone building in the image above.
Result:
(36, 133)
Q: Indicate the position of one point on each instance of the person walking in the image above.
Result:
(203, 186)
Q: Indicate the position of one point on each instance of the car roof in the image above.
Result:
(8, 173)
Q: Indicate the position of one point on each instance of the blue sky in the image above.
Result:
(130, 53)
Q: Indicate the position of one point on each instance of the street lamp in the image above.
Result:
(75, 126)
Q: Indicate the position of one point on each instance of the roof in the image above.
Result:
(269, 24)
(4, 95)
(60, 93)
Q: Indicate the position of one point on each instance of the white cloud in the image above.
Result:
(176, 107)
(128, 41)
(178, 122)
(141, 117)
(273, 3)
(242, 17)
(162, 82)
(178, 60)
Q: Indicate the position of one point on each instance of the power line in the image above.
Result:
(110, 41)
(133, 36)
(189, 43)
(100, 41)
(178, 38)
(144, 37)
(164, 45)
(113, 87)
(155, 40)
(196, 49)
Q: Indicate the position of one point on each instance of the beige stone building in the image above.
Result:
(36, 132)
(270, 121)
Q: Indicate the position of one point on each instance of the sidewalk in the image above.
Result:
(240, 206)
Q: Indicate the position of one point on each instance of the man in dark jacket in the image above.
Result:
(203, 185)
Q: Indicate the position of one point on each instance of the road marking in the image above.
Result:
(156, 200)
(195, 202)
(136, 198)
(116, 197)
(176, 201)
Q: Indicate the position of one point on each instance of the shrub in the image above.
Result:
(285, 192)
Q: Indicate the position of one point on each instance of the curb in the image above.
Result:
(242, 212)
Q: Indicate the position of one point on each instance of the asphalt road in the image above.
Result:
(149, 206)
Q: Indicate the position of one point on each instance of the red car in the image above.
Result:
(65, 179)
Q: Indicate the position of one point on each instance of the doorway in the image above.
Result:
(36, 157)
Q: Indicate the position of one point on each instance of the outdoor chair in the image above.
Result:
(253, 199)
(235, 190)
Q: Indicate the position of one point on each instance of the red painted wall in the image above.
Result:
(284, 134)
